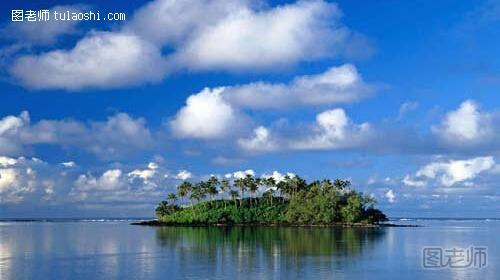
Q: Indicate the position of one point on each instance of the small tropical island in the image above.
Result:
(247, 200)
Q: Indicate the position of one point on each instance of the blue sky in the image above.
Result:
(104, 118)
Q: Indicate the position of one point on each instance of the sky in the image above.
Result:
(104, 118)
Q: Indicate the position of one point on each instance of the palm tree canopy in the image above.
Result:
(234, 194)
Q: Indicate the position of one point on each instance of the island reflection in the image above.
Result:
(270, 248)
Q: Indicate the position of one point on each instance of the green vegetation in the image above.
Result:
(291, 201)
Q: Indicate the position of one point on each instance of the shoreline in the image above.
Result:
(156, 223)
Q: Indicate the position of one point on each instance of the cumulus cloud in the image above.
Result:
(465, 130)
(118, 186)
(342, 84)
(206, 115)
(99, 60)
(43, 32)
(466, 125)
(109, 180)
(450, 173)
(17, 178)
(167, 22)
(200, 35)
(10, 127)
(6, 161)
(30, 181)
(183, 175)
(249, 39)
(144, 174)
(391, 197)
(409, 181)
(69, 164)
(332, 130)
(116, 137)
(214, 113)
(260, 141)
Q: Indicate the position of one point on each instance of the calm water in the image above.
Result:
(117, 250)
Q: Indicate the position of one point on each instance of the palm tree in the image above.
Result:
(198, 192)
(162, 209)
(212, 184)
(326, 184)
(212, 191)
(241, 185)
(271, 186)
(224, 187)
(251, 185)
(172, 198)
(183, 190)
(234, 195)
(294, 184)
(341, 184)
(269, 195)
(285, 187)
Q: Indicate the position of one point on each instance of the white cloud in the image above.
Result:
(465, 125)
(48, 189)
(333, 129)
(7, 179)
(408, 181)
(144, 174)
(89, 186)
(7, 161)
(452, 172)
(68, 164)
(391, 197)
(214, 113)
(184, 175)
(118, 186)
(341, 84)
(153, 165)
(116, 137)
(109, 180)
(260, 141)
(17, 179)
(12, 123)
(170, 22)
(99, 60)
(10, 127)
(43, 32)
(35, 183)
(248, 39)
(204, 35)
(206, 115)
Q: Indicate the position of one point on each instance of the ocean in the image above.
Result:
(115, 249)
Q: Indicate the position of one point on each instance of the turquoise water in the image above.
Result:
(102, 249)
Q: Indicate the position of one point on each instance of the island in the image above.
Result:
(287, 201)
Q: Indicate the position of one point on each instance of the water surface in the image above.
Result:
(101, 249)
